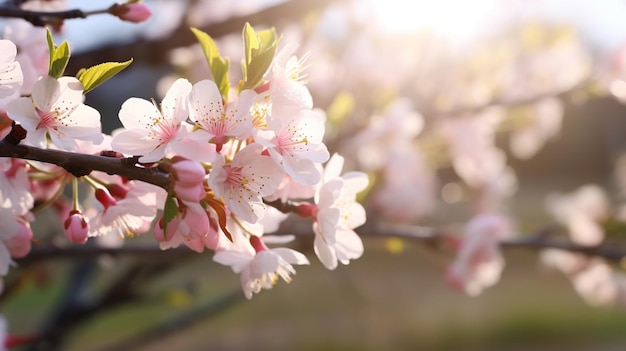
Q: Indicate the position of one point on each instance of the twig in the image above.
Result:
(82, 164)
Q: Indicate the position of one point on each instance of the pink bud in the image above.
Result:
(19, 245)
(191, 194)
(159, 232)
(188, 173)
(131, 12)
(105, 198)
(307, 210)
(76, 228)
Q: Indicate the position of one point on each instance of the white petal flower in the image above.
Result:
(150, 131)
(245, 181)
(338, 214)
(260, 267)
(294, 140)
(56, 109)
(219, 123)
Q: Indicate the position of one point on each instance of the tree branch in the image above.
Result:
(83, 164)
(41, 18)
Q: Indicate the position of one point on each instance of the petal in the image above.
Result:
(205, 102)
(138, 113)
(131, 142)
(325, 253)
(348, 246)
(291, 256)
(174, 105)
(23, 111)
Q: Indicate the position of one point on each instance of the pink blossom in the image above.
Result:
(479, 263)
(337, 214)
(19, 244)
(217, 123)
(471, 140)
(189, 180)
(294, 140)
(56, 110)
(76, 227)
(15, 189)
(129, 212)
(245, 181)
(287, 80)
(259, 266)
(131, 12)
(581, 211)
(150, 131)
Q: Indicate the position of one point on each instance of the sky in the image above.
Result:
(603, 22)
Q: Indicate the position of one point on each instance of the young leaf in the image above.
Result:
(217, 64)
(169, 212)
(98, 74)
(259, 48)
(59, 57)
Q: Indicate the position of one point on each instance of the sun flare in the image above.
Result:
(455, 20)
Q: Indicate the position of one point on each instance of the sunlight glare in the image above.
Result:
(456, 20)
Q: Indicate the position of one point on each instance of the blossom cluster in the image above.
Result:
(228, 152)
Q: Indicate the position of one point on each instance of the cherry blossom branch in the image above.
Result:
(82, 164)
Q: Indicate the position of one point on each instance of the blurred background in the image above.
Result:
(555, 69)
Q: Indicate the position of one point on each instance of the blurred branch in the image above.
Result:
(153, 51)
(10, 9)
(430, 236)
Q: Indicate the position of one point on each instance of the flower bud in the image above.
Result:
(134, 12)
(188, 173)
(76, 227)
(19, 245)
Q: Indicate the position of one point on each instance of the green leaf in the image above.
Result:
(98, 74)
(217, 64)
(59, 56)
(169, 212)
(260, 48)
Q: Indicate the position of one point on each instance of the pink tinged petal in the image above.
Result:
(302, 171)
(356, 216)
(175, 103)
(138, 113)
(356, 181)
(131, 142)
(11, 79)
(348, 246)
(291, 256)
(327, 220)
(241, 115)
(237, 260)
(23, 111)
(8, 50)
(201, 151)
(325, 253)
(333, 167)
(206, 103)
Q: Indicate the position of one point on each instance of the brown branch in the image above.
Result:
(83, 164)
(426, 235)
(41, 18)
